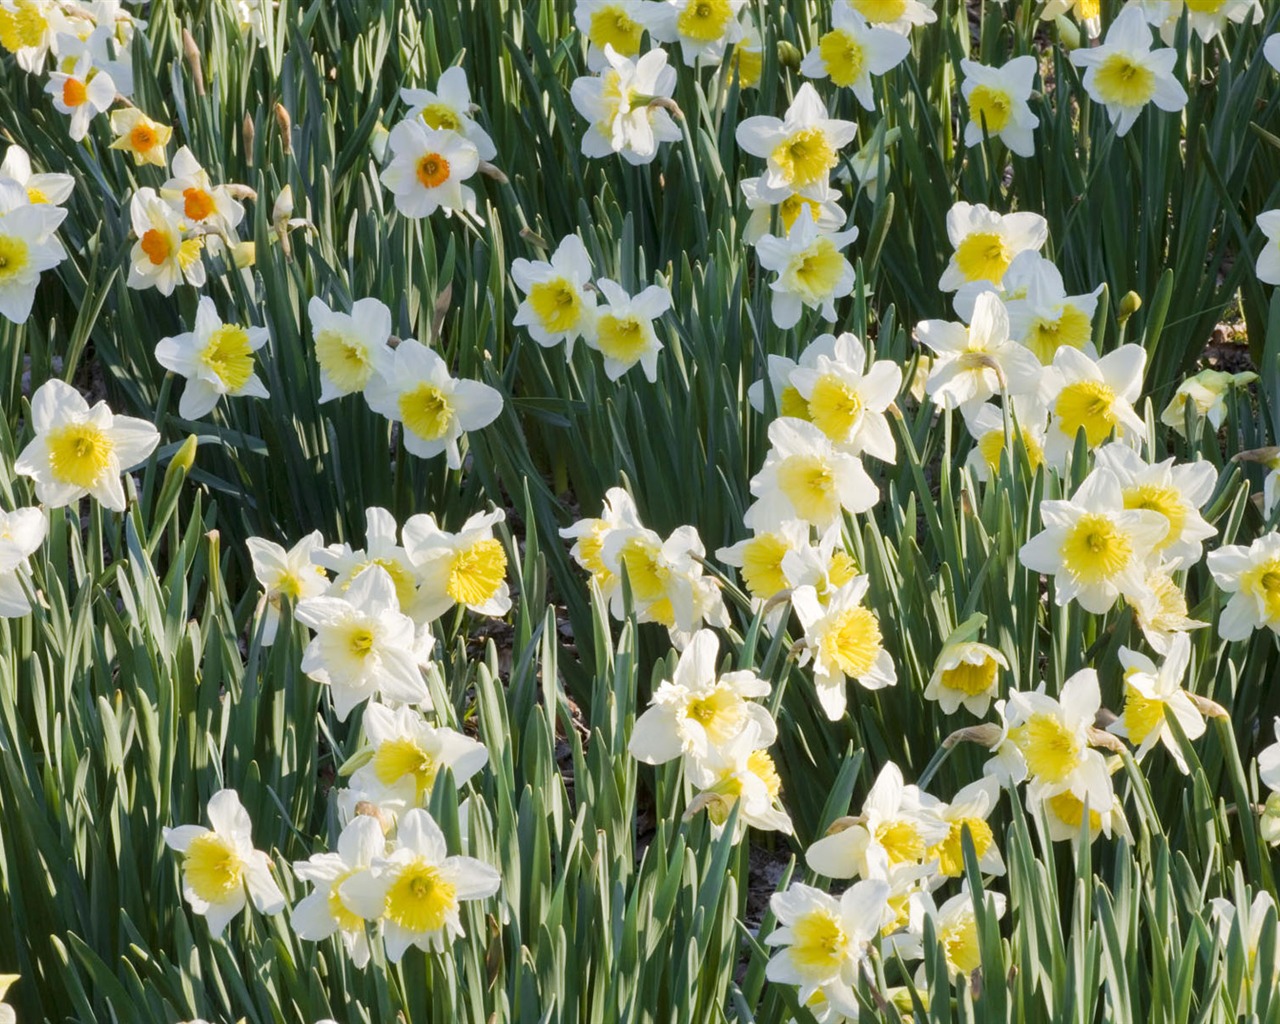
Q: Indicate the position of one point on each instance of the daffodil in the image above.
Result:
(1151, 692)
(350, 347)
(559, 304)
(853, 51)
(1124, 74)
(467, 568)
(806, 477)
(1271, 50)
(1043, 316)
(812, 271)
(846, 399)
(80, 90)
(381, 548)
(216, 359)
(625, 106)
(28, 248)
(801, 149)
(164, 254)
(1096, 396)
(41, 189)
(22, 532)
(7, 1016)
(1269, 761)
(990, 431)
(997, 102)
(78, 450)
(221, 870)
(434, 408)
(976, 362)
(1094, 547)
(427, 170)
(824, 209)
(703, 28)
(417, 889)
(968, 812)
(955, 927)
(589, 537)
(825, 566)
(1089, 12)
(404, 755)
(620, 24)
(842, 640)
(363, 644)
(898, 826)
(696, 710)
(1268, 266)
(1160, 609)
(1206, 392)
(986, 243)
(759, 558)
(448, 106)
(1251, 575)
(285, 575)
(1248, 920)
(1064, 815)
(1177, 491)
(824, 940)
(747, 60)
(203, 206)
(739, 773)
(966, 673)
(325, 911)
(29, 29)
(139, 136)
(788, 400)
(623, 331)
(1207, 18)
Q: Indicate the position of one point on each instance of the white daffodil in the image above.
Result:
(801, 149)
(28, 248)
(434, 408)
(617, 23)
(1177, 492)
(824, 209)
(987, 425)
(977, 362)
(41, 189)
(559, 304)
(417, 889)
(139, 136)
(363, 644)
(853, 51)
(80, 90)
(696, 711)
(1268, 266)
(842, 640)
(448, 106)
(1043, 316)
(1249, 919)
(806, 477)
(220, 866)
(739, 773)
(1161, 610)
(898, 826)
(759, 558)
(382, 549)
(216, 359)
(29, 29)
(825, 566)
(1207, 18)
(824, 940)
(899, 15)
(22, 532)
(78, 450)
(1251, 575)
(1206, 392)
(966, 673)
(325, 911)
(788, 400)
(205, 207)
(1089, 12)
(1016, 284)
(746, 64)
(589, 537)
(163, 256)
(405, 755)
(1096, 396)
(1271, 50)
(1125, 74)
(997, 101)
(1094, 547)
(703, 28)
(623, 330)
(285, 575)
(846, 399)
(427, 170)
(812, 271)
(350, 347)
(467, 568)
(623, 106)
(1064, 815)
(968, 812)
(1150, 690)
(986, 243)
(1269, 761)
